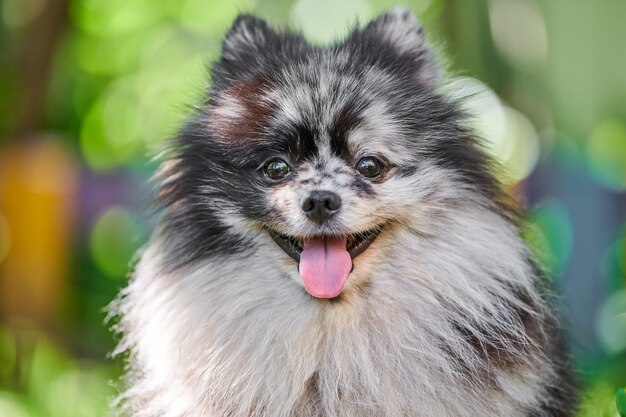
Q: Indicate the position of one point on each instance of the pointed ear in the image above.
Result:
(245, 49)
(248, 34)
(399, 28)
(404, 33)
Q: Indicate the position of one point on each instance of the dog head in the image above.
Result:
(324, 149)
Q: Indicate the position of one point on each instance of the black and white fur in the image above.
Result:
(443, 315)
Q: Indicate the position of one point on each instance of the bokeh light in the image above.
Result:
(56, 385)
(606, 154)
(116, 17)
(111, 55)
(524, 143)
(110, 133)
(611, 323)
(506, 134)
(172, 76)
(113, 241)
(519, 32)
(142, 108)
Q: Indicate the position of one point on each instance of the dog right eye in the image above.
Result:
(370, 167)
(276, 169)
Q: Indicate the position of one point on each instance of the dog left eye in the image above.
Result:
(276, 169)
(370, 167)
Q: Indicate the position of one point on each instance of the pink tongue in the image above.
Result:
(324, 266)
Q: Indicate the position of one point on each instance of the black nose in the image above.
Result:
(320, 206)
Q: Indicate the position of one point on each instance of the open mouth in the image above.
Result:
(324, 262)
(356, 243)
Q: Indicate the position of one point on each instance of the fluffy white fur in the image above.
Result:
(232, 338)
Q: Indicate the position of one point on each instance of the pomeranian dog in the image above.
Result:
(331, 242)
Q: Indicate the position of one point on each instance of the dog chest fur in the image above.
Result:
(227, 336)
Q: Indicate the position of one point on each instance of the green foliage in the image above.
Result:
(43, 381)
(598, 400)
(620, 401)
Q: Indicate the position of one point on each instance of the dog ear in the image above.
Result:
(247, 35)
(247, 44)
(400, 29)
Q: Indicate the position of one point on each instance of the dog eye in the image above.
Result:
(370, 167)
(276, 169)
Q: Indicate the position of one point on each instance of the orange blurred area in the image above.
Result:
(37, 199)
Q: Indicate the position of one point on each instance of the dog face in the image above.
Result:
(325, 150)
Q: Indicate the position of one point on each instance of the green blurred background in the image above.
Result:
(89, 89)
